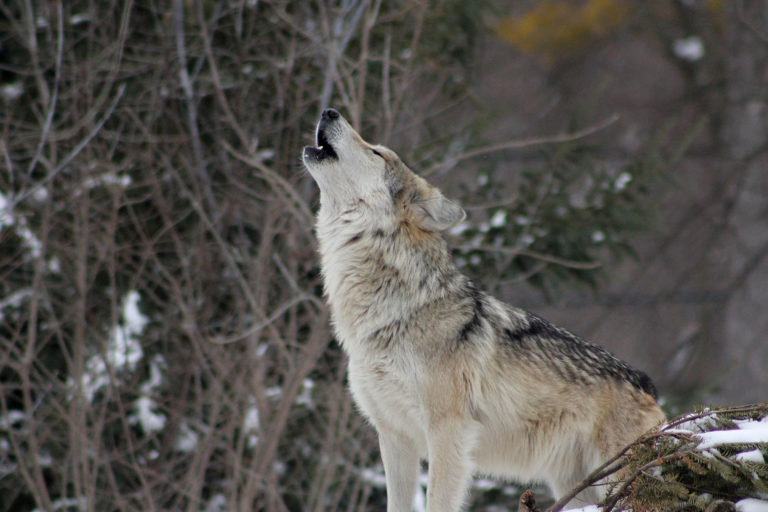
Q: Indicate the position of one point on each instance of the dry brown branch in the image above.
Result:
(534, 141)
(50, 108)
(545, 258)
(608, 468)
(756, 31)
(62, 165)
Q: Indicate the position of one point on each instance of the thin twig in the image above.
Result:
(256, 329)
(620, 493)
(755, 31)
(228, 114)
(75, 151)
(536, 141)
(609, 467)
(370, 21)
(509, 200)
(548, 258)
(301, 210)
(31, 43)
(407, 75)
(51, 107)
(189, 96)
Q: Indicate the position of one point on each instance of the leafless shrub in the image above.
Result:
(164, 344)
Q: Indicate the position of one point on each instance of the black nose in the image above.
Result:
(330, 113)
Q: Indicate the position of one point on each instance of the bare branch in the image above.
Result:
(536, 141)
(753, 29)
(51, 108)
(76, 150)
(546, 258)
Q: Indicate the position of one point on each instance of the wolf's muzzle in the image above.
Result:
(324, 148)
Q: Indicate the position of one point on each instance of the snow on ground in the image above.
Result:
(8, 219)
(186, 440)
(12, 91)
(251, 424)
(15, 299)
(123, 350)
(66, 504)
(689, 48)
(751, 505)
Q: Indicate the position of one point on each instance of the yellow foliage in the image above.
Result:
(558, 27)
(716, 9)
(715, 6)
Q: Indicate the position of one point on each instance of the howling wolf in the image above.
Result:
(444, 371)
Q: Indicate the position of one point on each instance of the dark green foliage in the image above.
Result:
(569, 212)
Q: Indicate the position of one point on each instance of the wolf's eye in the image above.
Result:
(377, 153)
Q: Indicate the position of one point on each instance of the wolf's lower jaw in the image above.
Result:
(319, 153)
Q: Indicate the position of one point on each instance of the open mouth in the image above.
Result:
(324, 145)
(324, 148)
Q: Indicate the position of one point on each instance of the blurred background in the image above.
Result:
(164, 344)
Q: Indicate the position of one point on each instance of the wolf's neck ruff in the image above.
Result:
(376, 275)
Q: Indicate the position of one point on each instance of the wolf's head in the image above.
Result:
(351, 172)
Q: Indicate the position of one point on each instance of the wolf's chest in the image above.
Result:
(387, 392)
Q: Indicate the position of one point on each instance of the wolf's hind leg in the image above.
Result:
(568, 477)
(401, 469)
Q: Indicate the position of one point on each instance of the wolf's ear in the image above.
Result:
(433, 212)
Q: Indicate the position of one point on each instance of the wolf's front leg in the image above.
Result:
(450, 466)
(401, 468)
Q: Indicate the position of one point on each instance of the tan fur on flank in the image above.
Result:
(445, 372)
